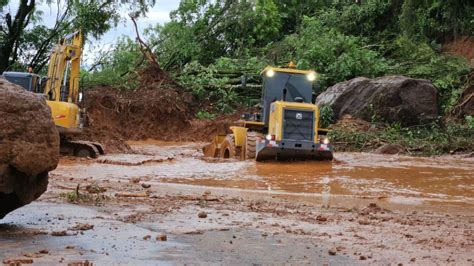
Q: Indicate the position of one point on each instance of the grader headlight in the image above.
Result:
(311, 76)
(270, 73)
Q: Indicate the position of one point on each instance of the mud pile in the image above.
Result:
(159, 109)
(391, 98)
(29, 146)
(463, 46)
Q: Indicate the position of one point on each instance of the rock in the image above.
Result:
(202, 215)
(146, 185)
(135, 180)
(82, 227)
(389, 149)
(362, 257)
(43, 251)
(161, 237)
(321, 218)
(59, 233)
(29, 146)
(147, 237)
(332, 252)
(390, 98)
(17, 261)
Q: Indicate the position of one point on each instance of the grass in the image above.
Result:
(424, 140)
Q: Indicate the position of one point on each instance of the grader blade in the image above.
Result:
(213, 149)
(271, 151)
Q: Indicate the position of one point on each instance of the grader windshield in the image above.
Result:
(289, 85)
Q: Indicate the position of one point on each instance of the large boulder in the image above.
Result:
(29, 146)
(390, 98)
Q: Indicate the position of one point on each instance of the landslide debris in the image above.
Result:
(29, 146)
(390, 98)
(158, 109)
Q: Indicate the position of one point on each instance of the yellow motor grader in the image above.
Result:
(287, 127)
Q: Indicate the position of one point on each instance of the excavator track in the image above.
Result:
(81, 148)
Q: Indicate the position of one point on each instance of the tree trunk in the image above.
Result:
(14, 30)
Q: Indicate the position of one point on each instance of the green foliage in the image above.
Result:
(470, 121)
(359, 20)
(175, 43)
(205, 115)
(207, 45)
(218, 83)
(335, 55)
(75, 196)
(436, 19)
(113, 66)
(326, 116)
(427, 140)
(418, 60)
(267, 21)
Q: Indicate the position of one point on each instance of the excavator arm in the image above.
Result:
(62, 91)
(64, 66)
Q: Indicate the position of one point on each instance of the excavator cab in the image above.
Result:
(29, 81)
(288, 128)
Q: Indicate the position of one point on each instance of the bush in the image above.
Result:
(205, 115)
(326, 116)
(336, 56)
(115, 67)
(422, 140)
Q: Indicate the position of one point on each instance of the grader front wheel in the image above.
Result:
(228, 148)
(251, 145)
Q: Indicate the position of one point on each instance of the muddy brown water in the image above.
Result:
(231, 234)
(447, 181)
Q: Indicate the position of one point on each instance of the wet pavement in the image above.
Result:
(389, 178)
(361, 209)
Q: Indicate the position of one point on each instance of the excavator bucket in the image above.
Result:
(290, 151)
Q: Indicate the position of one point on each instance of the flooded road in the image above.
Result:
(361, 209)
(391, 178)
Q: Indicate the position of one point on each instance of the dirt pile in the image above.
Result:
(159, 109)
(391, 99)
(29, 146)
(463, 46)
(349, 123)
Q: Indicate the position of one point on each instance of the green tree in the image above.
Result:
(24, 39)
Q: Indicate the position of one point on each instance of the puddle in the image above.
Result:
(400, 179)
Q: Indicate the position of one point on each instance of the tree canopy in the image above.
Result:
(25, 40)
(207, 45)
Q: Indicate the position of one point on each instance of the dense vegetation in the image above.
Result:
(208, 45)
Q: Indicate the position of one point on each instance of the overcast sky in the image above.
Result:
(157, 14)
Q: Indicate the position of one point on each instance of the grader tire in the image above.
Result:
(251, 145)
(228, 149)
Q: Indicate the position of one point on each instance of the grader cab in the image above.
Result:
(287, 127)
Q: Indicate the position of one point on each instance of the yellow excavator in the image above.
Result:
(287, 127)
(61, 87)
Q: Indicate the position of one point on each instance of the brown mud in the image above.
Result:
(462, 46)
(165, 114)
(362, 209)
